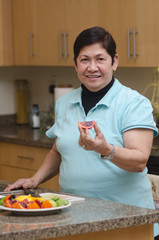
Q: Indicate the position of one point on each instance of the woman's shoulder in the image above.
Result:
(130, 94)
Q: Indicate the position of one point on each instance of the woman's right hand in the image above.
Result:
(22, 183)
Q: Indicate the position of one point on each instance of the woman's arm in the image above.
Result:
(138, 144)
(47, 170)
(49, 167)
(132, 157)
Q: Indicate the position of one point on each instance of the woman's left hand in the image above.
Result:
(98, 144)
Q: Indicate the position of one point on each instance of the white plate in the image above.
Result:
(49, 195)
(34, 211)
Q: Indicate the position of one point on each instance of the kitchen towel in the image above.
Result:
(60, 91)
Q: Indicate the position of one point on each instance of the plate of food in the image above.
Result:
(26, 204)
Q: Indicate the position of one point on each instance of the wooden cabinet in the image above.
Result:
(45, 30)
(19, 161)
(24, 32)
(6, 48)
(139, 47)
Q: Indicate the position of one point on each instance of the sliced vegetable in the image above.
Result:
(62, 202)
(2, 201)
(33, 205)
(86, 124)
(46, 204)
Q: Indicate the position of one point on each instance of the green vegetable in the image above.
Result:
(1, 201)
(54, 204)
(62, 202)
(55, 198)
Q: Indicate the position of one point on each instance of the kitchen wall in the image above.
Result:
(40, 78)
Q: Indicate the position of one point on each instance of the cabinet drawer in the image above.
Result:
(11, 174)
(21, 156)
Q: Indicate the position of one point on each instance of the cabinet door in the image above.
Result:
(37, 24)
(146, 19)
(50, 22)
(6, 47)
(141, 19)
(19, 161)
(24, 20)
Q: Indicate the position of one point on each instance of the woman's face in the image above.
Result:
(94, 67)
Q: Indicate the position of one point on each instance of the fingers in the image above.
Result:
(20, 183)
(84, 137)
(97, 129)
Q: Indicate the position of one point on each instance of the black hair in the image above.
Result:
(95, 35)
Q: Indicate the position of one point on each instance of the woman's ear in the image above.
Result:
(115, 63)
(75, 64)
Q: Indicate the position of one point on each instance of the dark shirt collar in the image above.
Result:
(90, 99)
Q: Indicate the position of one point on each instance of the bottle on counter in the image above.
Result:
(35, 116)
(21, 93)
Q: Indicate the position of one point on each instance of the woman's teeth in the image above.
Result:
(93, 76)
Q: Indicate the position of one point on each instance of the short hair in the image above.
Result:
(95, 35)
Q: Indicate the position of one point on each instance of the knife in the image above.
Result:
(30, 191)
(12, 192)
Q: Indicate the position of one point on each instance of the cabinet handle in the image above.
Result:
(65, 45)
(60, 44)
(134, 43)
(128, 39)
(25, 157)
(31, 45)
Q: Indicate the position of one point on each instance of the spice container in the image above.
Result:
(21, 92)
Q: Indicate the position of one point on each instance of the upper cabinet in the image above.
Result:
(44, 30)
(6, 48)
(24, 25)
(134, 26)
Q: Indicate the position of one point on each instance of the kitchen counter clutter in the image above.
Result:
(25, 135)
(86, 219)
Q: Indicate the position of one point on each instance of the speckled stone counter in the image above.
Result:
(25, 135)
(84, 217)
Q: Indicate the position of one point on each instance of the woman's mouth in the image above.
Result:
(93, 76)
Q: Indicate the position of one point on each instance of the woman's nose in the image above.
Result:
(92, 66)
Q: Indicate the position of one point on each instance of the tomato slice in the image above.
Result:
(86, 124)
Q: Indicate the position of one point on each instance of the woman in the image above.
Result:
(109, 160)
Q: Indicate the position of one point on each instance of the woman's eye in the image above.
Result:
(100, 59)
(84, 60)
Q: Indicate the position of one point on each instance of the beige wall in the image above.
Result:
(41, 77)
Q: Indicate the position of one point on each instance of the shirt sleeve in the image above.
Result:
(51, 133)
(138, 114)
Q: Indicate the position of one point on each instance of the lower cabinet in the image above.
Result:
(20, 161)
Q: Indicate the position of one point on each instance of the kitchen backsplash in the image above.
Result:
(8, 120)
(40, 78)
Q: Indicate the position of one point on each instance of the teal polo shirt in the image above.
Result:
(84, 172)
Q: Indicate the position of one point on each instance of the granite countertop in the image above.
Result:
(25, 135)
(90, 215)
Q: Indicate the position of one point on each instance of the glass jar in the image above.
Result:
(21, 89)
